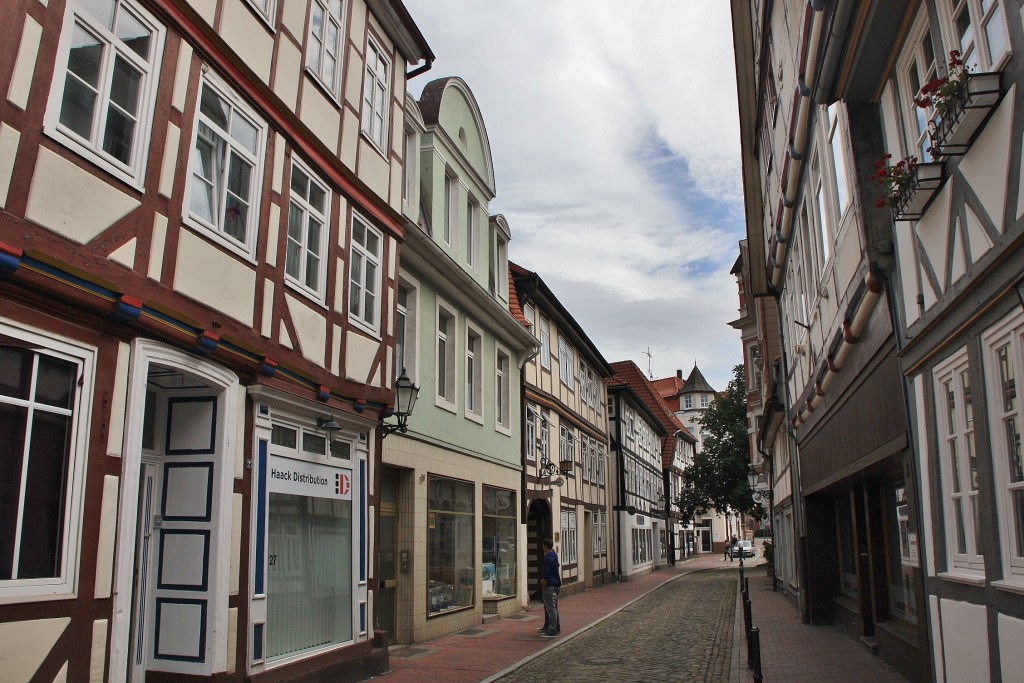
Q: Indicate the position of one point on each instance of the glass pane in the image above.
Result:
(373, 243)
(283, 436)
(236, 214)
(78, 107)
(312, 271)
(293, 254)
(329, 68)
(244, 133)
(961, 537)
(314, 443)
(336, 8)
(976, 526)
(972, 462)
(55, 383)
(951, 421)
(100, 10)
(995, 33)
(315, 49)
(317, 198)
(1013, 449)
(316, 22)
(954, 463)
(1006, 376)
(214, 107)
(15, 372)
(341, 449)
(43, 523)
(1018, 520)
(309, 578)
(124, 90)
(313, 237)
(85, 56)
(133, 32)
(965, 382)
(118, 135)
(13, 420)
(358, 232)
(300, 182)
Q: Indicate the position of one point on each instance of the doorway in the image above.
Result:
(391, 561)
(173, 556)
(538, 527)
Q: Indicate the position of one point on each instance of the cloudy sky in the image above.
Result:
(614, 137)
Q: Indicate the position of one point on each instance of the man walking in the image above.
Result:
(551, 582)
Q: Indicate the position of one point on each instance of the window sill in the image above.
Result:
(964, 578)
(474, 417)
(445, 404)
(503, 429)
(211, 234)
(1014, 585)
(361, 325)
(334, 99)
(373, 143)
(130, 177)
(313, 297)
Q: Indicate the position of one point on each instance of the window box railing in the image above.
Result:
(915, 196)
(954, 130)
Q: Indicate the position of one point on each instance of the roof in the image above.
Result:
(628, 374)
(669, 387)
(531, 288)
(696, 383)
(513, 303)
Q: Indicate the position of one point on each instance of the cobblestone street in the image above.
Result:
(683, 631)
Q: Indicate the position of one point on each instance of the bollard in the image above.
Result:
(755, 648)
(746, 586)
(748, 626)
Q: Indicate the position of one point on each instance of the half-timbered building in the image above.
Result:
(201, 216)
(565, 445)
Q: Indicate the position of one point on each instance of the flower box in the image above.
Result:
(918, 193)
(953, 131)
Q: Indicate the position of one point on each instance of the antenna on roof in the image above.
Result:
(647, 353)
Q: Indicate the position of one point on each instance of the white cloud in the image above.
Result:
(615, 142)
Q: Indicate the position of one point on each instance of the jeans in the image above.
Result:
(551, 608)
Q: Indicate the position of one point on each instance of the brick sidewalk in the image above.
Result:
(798, 653)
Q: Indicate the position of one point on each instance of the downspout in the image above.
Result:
(422, 68)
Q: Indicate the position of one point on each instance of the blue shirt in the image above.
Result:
(549, 572)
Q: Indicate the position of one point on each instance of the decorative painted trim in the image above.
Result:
(204, 584)
(206, 516)
(213, 426)
(362, 521)
(201, 657)
(127, 308)
(10, 259)
(260, 554)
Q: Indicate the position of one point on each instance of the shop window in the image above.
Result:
(498, 571)
(309, 543)
(451, 563)
(847, 556)
(902, 557)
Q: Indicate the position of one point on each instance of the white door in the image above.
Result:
(176, 535)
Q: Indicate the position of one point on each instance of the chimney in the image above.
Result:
(679, 374)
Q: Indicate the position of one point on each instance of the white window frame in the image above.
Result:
(215, 229)
(451, 187)
(308, 211)
(532, 435)
(1009, 332)
(134, 172)
(914, 68)
(474, 374)
(359, 317)
(376, 95)
(502, 275)
(409, 360)
(315, 66)
(977, 53)
(704, 401)
(265, 9)
(445, 341)
(566, 363)
(545, 343)
(569, 537)
(65, 584)
(472, 230)
(834, 118)
(410, 165)
(688, 402)
(502, 390)
(957, 437)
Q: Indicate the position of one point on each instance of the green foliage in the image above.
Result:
(718, 477)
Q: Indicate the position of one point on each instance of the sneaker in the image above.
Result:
(542, 628)
(548, 634)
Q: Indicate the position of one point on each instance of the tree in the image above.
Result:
(718, 477)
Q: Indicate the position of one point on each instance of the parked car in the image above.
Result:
(744, 549)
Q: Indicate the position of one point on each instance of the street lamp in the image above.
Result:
(754, 479)
(406, 394)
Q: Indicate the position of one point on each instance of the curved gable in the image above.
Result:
(449, 104)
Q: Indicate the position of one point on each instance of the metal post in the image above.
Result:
(755, 651)
(749, 627)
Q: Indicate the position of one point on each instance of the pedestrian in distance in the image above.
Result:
(551, 583)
